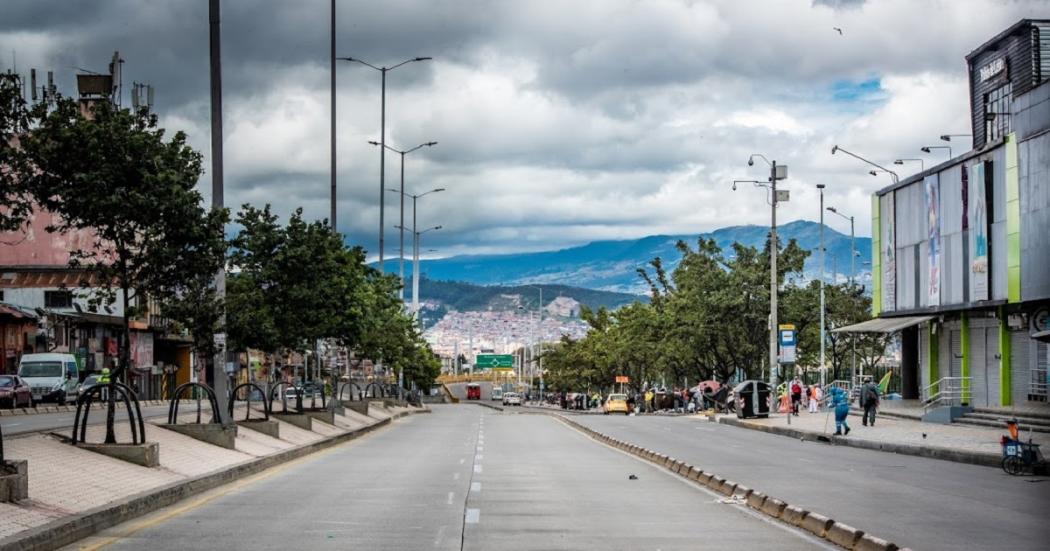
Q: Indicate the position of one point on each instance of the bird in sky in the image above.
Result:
(838, 29)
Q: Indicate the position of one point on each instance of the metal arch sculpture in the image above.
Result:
(173, 407)
(248, 399)
(373, 386)
(121, 392)
(284, 399)
(313, 398)
(352, 385)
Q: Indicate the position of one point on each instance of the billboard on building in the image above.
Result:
(933, 235)
(977, 216)
(888, 252)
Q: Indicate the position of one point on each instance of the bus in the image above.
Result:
(473, 391)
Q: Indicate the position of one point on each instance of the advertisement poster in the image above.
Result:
(977, 214)
(933, 216)
(888, 245)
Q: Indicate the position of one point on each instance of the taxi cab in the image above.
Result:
(616, 403)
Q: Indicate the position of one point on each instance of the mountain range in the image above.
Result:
(611, 265)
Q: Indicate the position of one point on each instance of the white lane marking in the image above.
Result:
(477, 468)
(440, 537)
(475, 486)
(473, 516)
(481, 448)
(479, 457)
(12, 424)
(462, 461)
(455, 476)
(450, 496)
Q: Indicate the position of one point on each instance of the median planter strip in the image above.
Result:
(819, 525)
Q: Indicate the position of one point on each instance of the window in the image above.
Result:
(58, 299)
(997, 112)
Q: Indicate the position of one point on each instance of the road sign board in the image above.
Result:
(623, 379)
(787, 343)
(487, 361)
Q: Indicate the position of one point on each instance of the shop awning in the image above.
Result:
(883, 325)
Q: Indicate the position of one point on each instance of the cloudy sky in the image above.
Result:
(559, 122)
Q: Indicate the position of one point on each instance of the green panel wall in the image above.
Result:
(1013, 222)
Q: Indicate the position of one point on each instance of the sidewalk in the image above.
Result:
(962, 443)
(70, 487)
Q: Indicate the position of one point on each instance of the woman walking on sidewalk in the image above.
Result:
(815, 396)
(840, 403)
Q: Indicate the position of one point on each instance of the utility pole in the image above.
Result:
(332, 70)
(218, 367)
(822, 278)
(773, 329)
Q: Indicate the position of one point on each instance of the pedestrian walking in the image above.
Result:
(649, 401)
(840, 404)
(815, 396)
(869, 400)
(796, 395)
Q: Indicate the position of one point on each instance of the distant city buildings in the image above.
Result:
(502, 332)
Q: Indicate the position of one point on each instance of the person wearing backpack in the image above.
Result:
(869, 400)
(796, 395)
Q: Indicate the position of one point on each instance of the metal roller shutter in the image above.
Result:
(991, 353)
(1020, 370)
(978, 368)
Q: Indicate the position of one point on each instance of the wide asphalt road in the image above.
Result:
(463, 477)
(913, 501)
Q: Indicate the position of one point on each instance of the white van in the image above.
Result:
(497, 393)
(52, 377)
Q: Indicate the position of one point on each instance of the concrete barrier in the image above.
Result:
(146, 455)
(715, 482)
(304, 422)
(843, 535)
(359, 406)
(325, 416)
(755, 500)
(816, 524)
(14, 481)
(773, 507)
(742, 491)
(793, 515)
(212, 433)
(269, 427)
(868, 542)
(704, 478)
(727, 487)
(695, 473)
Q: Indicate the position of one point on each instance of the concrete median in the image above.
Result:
(844, 535)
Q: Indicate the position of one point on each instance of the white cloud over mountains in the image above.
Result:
(558, 122)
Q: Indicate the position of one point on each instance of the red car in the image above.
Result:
(14, 392)
(473, 391)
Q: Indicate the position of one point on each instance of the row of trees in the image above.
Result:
(708, 319)
(114, 175)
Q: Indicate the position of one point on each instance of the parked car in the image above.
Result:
(511, 399)
(52, 377)
(497, 393)
(14, 392)
(616, 403)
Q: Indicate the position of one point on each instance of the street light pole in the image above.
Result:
(382, 142)
(836, 149)
(401, 254)
(218, 368)
(823, 263)
(332, 72)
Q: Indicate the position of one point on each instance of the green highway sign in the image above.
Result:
(486, 361)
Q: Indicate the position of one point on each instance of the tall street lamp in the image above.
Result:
(401, 254)
(922, 163)
(852, 256)
(415, 268)
(836, 149)
(948, 137)
(539, 324)
(927, 148)
(776, 172)
(415, 264)
(823, 263)
(382, 140)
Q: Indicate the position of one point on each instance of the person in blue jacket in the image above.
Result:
(840, 403)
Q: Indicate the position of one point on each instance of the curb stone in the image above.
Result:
(773, 507)
(755, 501)
(868, 542)
(794, 515)
(844, 535)
(817, 524)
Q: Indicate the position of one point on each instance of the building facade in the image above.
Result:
(961, 251)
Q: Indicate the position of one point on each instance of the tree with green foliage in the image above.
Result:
(15, 202)
(115, 174)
